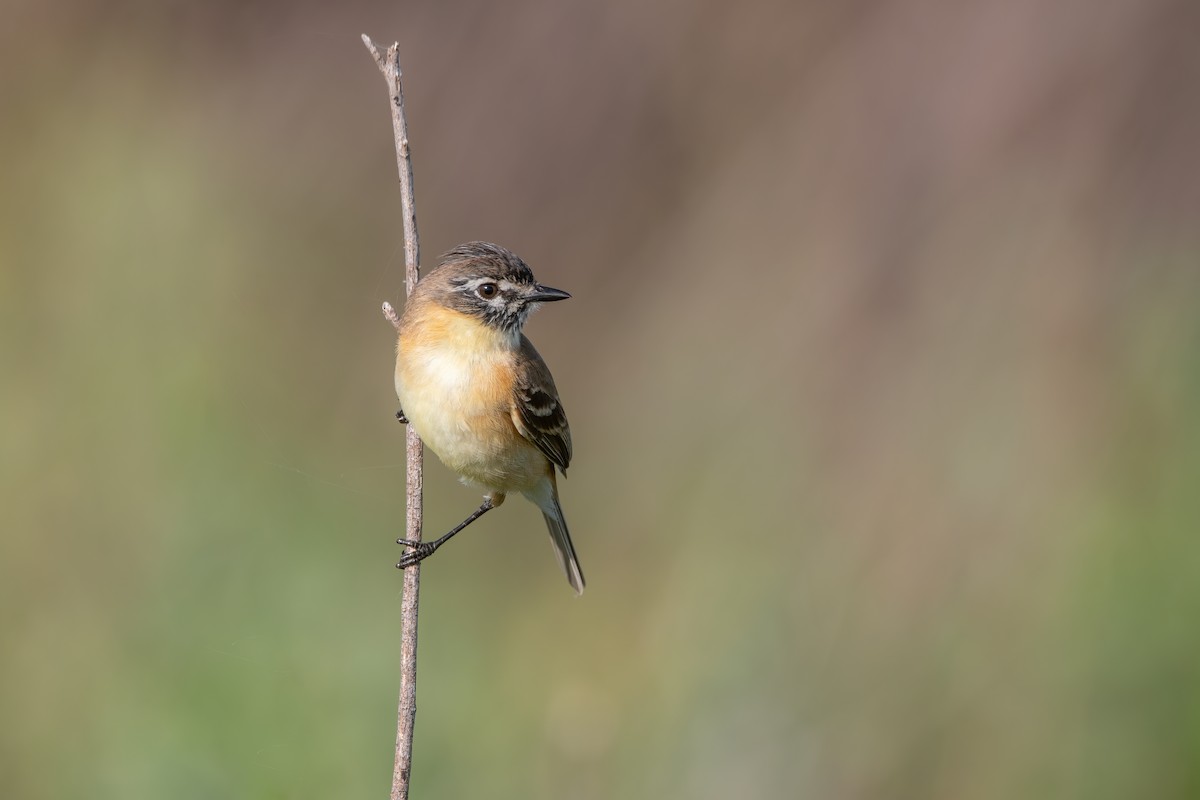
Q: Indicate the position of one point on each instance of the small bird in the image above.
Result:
(478, 393)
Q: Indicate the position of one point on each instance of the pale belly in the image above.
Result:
(464, 416)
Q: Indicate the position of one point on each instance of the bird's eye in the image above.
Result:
(487, 290)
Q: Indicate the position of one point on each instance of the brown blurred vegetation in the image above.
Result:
(883, 369)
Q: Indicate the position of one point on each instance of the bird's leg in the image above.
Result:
(423, 550)
(403, 420)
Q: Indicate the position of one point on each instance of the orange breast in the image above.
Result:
(454, 379)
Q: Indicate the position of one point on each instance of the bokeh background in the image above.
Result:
(883, 368)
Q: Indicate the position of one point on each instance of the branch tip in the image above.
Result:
(373, 50)
(390, 314)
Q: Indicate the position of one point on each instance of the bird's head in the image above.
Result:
(490, 283)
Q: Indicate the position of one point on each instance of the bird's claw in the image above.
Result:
(419, 552)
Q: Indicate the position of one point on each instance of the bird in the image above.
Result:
(477, 392)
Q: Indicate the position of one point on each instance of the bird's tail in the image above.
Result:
(563, 547)
(545, 497)
(557, 525)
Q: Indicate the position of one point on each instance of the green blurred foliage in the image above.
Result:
(883, 368)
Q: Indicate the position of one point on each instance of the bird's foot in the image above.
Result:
(419, 551)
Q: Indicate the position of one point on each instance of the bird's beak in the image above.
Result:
(544, 294)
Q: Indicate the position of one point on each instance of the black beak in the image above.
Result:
(544, 294)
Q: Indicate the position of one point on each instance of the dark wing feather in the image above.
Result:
(537, 412)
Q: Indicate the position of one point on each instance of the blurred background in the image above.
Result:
(883, 368)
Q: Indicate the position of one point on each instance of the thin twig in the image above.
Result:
(389, 65)
(391, 315)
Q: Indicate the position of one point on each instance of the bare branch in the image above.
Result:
(389, 65)
(390, 314)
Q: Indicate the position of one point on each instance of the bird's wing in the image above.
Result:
(537, 412)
